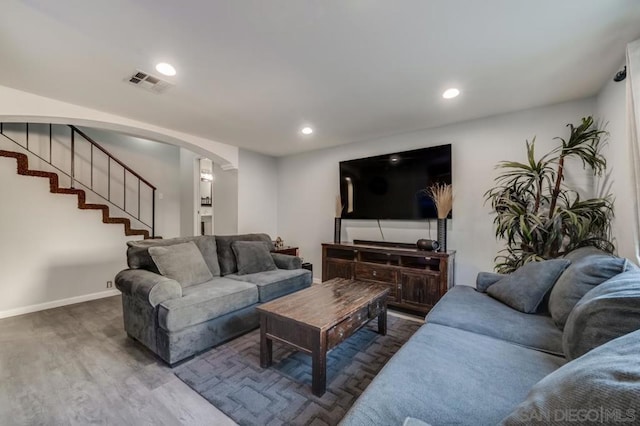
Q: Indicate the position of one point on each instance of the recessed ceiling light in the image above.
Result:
(166, 69)
(306, 130)
(450, 93)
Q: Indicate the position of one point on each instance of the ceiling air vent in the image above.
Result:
(148, 82)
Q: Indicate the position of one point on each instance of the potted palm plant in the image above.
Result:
(538, 215)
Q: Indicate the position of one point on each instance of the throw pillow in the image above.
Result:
(584, 274)
(601, 387)
(610, 310)
(138, 256)
(486, 279)
(525, 287)
(252, 257)
(226, 256)
(181, 262)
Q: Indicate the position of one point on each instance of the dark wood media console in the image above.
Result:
(416, 279)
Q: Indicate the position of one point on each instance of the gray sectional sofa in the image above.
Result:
(478, 361)
(183, 295)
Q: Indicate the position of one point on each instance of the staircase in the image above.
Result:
(24, 152)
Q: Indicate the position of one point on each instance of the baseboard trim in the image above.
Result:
(57, 303)
(317, 280)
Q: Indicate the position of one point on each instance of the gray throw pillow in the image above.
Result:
(610, 310)
(584, 274)
(486, 279)
(181, 262)
(601, 387)
(226, 256)
(253, 257)
(138, 256)
(525, 287)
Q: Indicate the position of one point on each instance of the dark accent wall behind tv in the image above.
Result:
(393, 186)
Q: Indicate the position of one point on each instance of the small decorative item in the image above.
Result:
(427, 245)
(279, 243)
(442, 196)
(337, 224)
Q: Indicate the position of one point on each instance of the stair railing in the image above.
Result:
(75, 132)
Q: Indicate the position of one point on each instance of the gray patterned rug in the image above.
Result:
(230, 377)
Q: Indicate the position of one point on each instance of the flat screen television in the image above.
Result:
(393, 186)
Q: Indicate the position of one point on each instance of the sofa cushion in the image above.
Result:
(588, 270)
(205, 301)
(610, 310)
(525, 288)
(138, 256)
(277, 283)
(226, 256)
(443, 375)
(181, 262)
(464, 308)
(600, 387)
(252, 257)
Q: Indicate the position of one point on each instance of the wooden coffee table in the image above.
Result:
(317, 319)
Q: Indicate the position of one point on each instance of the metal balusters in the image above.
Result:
(72, 173)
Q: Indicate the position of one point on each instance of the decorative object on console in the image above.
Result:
(427, 245)
(442, 196)
(337, 224)
(278, 243)
(442, 234)
(538, 215)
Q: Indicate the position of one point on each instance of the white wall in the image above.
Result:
(611, 108)
(158, 163)
(257, 193)
(187, 192)
(225, 201)
(50, 250)
(308, 183)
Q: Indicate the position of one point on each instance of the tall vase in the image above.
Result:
(337, 227)
(442, 234)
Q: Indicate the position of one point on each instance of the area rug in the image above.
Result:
(230, 377)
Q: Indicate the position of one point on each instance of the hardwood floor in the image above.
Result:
(74, 365)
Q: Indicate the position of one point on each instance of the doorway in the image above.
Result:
(204, 197)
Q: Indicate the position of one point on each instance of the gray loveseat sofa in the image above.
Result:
(478, 361)
(206, 293)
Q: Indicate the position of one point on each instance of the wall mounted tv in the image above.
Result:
(392, 186)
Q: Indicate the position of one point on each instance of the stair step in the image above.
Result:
(23, 169)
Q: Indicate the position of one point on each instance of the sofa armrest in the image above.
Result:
(286, 261)
(485, 279)
(147, 286)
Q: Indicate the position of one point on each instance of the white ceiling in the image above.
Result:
(252, 72)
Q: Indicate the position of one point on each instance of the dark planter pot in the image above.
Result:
(337, 227)
(442, 234)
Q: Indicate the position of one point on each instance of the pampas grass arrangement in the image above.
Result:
(442, 196)
(339, 206)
